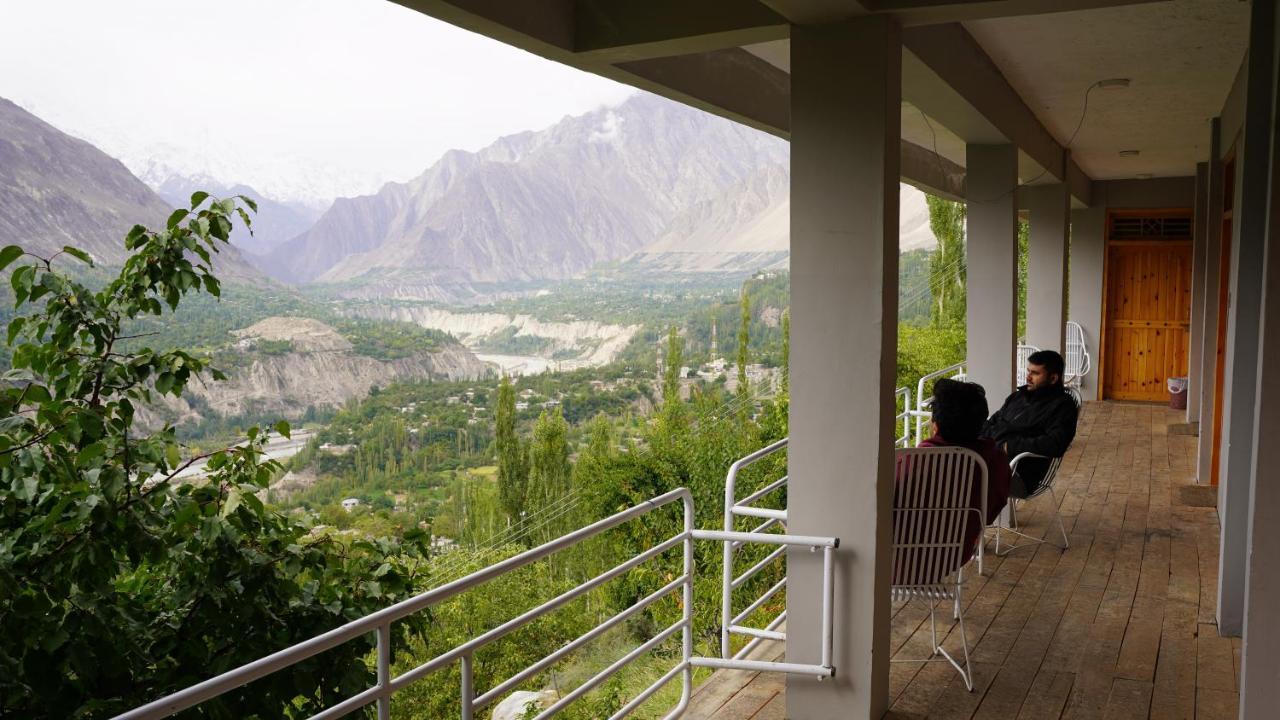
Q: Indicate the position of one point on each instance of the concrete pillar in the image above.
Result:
(1212, 288)
(991, 180)
(1260, 650)
(845, 115)
(1050, 207)
(1242, 381)
(1088, 253)
(1199, 247)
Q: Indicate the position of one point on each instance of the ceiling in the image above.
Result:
(1181, 57)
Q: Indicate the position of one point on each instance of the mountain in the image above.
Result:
(650, 186)
(274, 223)
(57, 190)
(531, 206)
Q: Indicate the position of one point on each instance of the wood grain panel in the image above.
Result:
(1146, 332)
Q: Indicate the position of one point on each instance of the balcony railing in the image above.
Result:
(380, 623)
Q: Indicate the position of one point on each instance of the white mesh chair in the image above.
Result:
(931, 509)
(1020, 365)
(1077, 357)
(1008, 521)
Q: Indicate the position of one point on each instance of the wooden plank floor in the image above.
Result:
(1120, 626)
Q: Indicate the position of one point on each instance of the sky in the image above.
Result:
(303, 95)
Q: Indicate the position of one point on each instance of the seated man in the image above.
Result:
(959, 409)
(1039, 417)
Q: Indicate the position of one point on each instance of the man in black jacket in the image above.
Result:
(1039, 417)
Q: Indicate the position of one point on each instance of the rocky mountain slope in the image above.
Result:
(274, 223)
(584, 343)
(319, 369)
(56, 190)
(532, 206)
(660, 186)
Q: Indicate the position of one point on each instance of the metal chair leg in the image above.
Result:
(1058, 514)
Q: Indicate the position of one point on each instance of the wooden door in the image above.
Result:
(1148, 312)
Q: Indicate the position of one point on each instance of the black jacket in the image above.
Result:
(1041, 422)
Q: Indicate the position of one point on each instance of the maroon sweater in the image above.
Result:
(997, 484)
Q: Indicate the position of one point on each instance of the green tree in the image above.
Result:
(786, 351)
(119, 580)
(744, 339)
(513, 460)
(549, 465)
(947, 267)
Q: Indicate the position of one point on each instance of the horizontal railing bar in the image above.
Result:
(767, 538)
(746, 649)
(756, 632)
(758, 529)
(294, 654)
(764, 491)
(749, 511)
(763, 666)
(470, 647)
(759, 601)
(592, 634)
(648, 692)
(751, 572)
(617, 665)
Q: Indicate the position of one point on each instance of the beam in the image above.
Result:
(951, 53)
(617, 31)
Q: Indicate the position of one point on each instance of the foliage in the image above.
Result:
(119, 580)
(513, 456)
(947, 270)
(786, 351)
(744, 341)
(389, 339)
(549, 466)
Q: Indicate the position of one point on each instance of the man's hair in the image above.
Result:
(959, 409)
(1051, 361)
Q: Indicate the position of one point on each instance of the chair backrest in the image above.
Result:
(932, 506)
(1077, 357)
(1020, 364)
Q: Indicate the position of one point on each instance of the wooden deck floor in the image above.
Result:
(1120, 626)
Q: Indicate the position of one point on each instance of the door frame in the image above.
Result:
(1226, 240)
(1107, 243)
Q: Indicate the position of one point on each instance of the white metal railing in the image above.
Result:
(902, 396)
(380, 623)
(731, 624)
(922, 411)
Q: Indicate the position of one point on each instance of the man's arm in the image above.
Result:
(996, 421)
(1058, 433)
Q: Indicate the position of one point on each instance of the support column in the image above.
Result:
(845, 115)
(991, 180)
(1260, 650)
(1212, 289)
(1050, 207)
(1242, 381)
(1088, 251)
(1199, 245)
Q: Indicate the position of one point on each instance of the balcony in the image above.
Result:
(1121, 625)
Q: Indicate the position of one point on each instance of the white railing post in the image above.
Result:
(468, 688)
(384, 671)
(828, 601)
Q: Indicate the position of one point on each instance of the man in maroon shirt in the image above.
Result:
(959, 411)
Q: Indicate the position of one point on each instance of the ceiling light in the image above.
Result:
(1113, 83)
(1129, 153)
